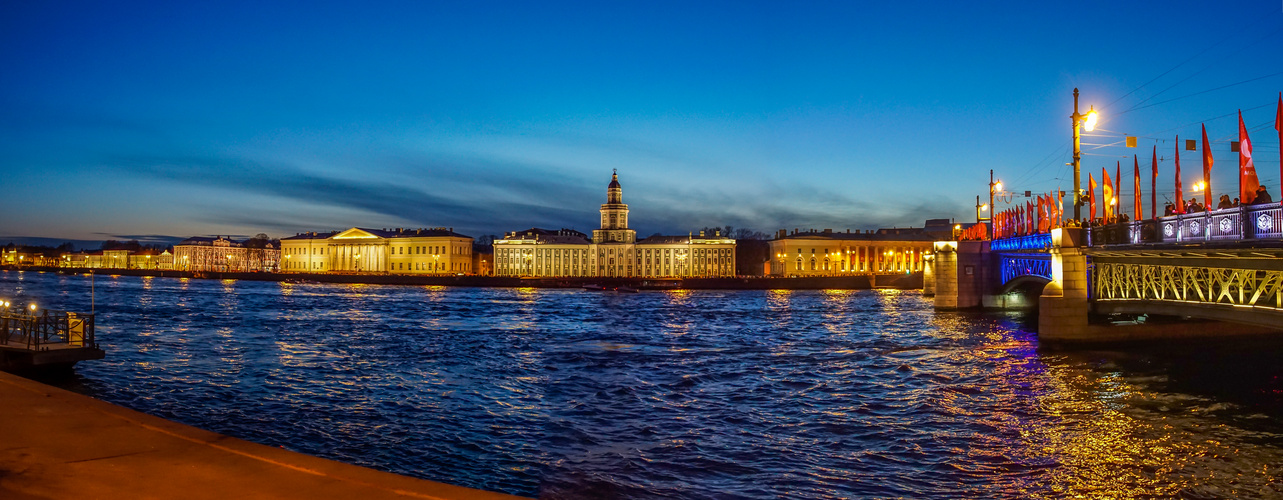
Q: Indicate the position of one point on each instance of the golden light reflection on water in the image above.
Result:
(1090, 433)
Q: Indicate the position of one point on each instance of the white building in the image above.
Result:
(614, 250)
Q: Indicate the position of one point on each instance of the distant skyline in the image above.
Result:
(155, 120)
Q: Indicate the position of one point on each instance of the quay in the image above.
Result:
(58, 444)
(848, 282)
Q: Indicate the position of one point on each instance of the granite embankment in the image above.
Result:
(58, 444)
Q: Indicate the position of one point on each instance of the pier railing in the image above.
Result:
(47, 330)
(1251, 222)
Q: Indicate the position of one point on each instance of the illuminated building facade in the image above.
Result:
(221, 254)
(614, 250)
(828, 253)
(396, 251)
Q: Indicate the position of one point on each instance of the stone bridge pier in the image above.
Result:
(970, 274)
(1063, 306)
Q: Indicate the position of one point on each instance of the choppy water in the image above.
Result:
(705, 394)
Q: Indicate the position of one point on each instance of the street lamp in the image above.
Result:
(1088, 122)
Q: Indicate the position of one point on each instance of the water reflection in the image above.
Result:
(686, 394)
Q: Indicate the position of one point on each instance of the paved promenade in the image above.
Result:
(57, 444)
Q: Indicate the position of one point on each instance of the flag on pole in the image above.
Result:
(1091, 196)
(1180, 202)
(1247, 181)
(1118, 190)
(1106, 194)
(1153, 184)
(1207, 172)
(1136, 185)
(1278, 125)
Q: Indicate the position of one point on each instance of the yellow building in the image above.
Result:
(614, 250)
(828, 253)
(361, 250)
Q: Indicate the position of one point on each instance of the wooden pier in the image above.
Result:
(46, 340)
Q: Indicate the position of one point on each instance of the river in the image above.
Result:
(680, 394)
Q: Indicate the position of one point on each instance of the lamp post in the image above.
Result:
(1088, 122)
(982, 208)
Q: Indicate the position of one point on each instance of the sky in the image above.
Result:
(162, 120)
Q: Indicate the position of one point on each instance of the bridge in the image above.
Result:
(1223, 265)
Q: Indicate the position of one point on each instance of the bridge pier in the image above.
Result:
(1063, 307)
(961, 274)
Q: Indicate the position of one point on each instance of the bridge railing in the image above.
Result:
(1251, 222)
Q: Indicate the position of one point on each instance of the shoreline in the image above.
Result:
(60, 444)
(911, 281)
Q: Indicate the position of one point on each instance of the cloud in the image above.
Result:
(486, 196)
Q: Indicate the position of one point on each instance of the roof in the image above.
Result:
(205, 241)
(562, 236)
(365, 232)
(881, 235)
(614, 181)
(310, 236)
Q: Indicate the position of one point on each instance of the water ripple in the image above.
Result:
(572, 394)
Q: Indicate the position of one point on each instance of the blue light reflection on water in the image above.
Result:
(691, 394)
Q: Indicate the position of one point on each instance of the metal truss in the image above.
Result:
(1216, 285)
(1017, 265)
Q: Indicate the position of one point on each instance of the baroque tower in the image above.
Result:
(614, 216)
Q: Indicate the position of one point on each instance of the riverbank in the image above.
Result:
(59, 444)
(858, 282)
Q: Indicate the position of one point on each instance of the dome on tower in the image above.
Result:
(614, 180)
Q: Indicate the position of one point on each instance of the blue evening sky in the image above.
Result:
(144, 119)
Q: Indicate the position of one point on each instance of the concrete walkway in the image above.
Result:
(56, 444)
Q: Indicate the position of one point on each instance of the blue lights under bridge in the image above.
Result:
(1025, 264)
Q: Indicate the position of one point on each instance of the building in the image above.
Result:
(222, 254)
(115, 259)
(396, 251)
(149, 259)
(829, 253)
(613, 251)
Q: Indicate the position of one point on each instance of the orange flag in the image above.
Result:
(1136, 184)
(1091, 196)
(1107, 194)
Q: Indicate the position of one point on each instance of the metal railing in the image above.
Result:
(49, 330)
(1250, 222)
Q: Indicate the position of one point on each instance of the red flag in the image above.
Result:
(1118, 190)
(1042, 214)
(1153, 184)
(1060, 208)
(1091, 196)
(1136, 185)
(1278, 125)
(1107, 194)
(1207, 172)
(1247, 181)
(1029, 218)
(1180, 202)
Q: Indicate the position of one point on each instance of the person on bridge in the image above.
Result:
(1262, 196)
(1225, 202)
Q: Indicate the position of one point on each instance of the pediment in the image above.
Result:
(355, 233)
